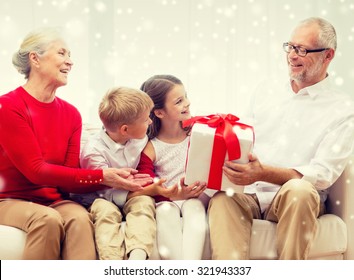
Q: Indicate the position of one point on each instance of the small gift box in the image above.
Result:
(214, 139)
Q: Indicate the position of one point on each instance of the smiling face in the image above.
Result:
(177, 104)
(312, 68)
(54, 64)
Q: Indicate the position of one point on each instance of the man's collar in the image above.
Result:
(314, 90)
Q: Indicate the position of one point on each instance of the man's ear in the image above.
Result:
(330, 54)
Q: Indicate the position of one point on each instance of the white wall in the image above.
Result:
(219, 48)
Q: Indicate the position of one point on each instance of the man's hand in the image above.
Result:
(244, 174)
(124, 178)
(253, 171)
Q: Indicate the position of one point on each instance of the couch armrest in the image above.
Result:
(341, 203)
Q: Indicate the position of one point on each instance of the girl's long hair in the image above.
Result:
(157, 88)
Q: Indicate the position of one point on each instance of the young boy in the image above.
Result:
(124, 113)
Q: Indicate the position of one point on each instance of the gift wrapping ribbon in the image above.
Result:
(225, 140)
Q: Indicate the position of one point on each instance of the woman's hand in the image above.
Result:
(125, 178)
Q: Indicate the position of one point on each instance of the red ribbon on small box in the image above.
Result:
(225, 140)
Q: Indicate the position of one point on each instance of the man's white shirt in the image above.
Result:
(311, 131)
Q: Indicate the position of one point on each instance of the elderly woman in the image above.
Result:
(39, 156)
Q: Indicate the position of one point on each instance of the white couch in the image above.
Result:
(334, 238)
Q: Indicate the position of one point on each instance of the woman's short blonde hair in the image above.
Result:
(36, 41)
(123, 105)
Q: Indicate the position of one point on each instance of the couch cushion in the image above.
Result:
(12, 243)
(330, 239)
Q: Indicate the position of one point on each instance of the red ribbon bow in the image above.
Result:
(225, 140)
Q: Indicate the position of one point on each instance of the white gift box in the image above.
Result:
(200, 154)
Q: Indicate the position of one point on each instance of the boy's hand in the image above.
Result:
(121, 178)
(142, 179)
(156, 188)
(134, 176)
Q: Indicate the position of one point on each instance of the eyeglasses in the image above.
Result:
(300, 51)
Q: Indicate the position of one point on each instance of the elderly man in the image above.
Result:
(304, 136)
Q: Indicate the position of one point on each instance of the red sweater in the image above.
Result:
(39, 150)
(146, 166)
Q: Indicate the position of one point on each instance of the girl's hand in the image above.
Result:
(193, 190)
(169, 192)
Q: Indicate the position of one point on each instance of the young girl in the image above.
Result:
(165, 157)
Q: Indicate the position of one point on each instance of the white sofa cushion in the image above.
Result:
(12, 243)
(330, 228)
(263, 243)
